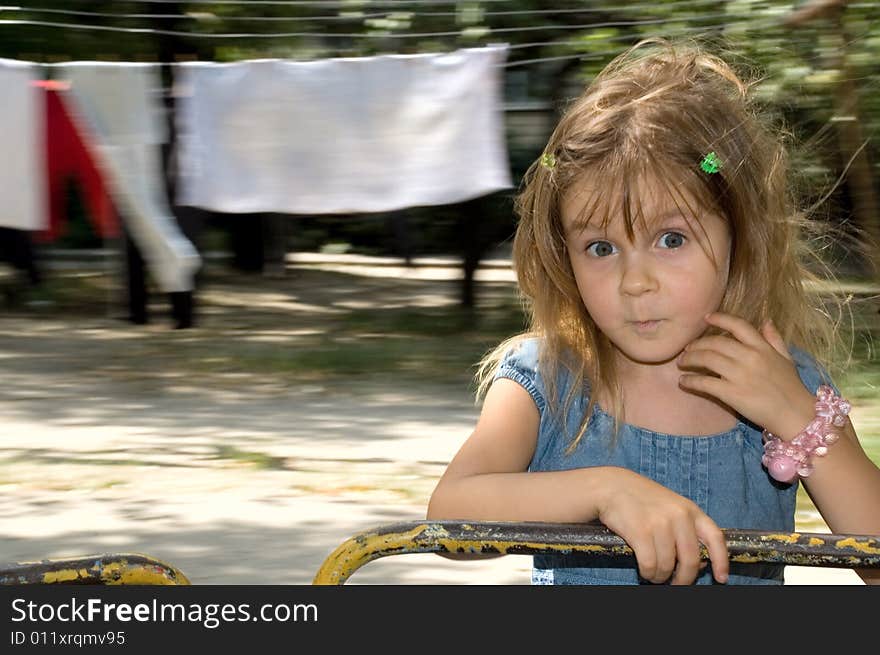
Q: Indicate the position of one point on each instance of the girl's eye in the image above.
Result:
(600, 249)
(672, 240)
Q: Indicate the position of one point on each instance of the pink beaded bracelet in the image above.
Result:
(787, 460)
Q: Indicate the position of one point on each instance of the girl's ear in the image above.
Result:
(771, 334)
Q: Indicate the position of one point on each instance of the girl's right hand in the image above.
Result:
(663, 528)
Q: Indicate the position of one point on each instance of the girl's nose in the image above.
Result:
(638, 277)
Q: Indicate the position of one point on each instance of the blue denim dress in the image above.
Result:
(722, 473)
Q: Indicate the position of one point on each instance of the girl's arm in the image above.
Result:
(845, 487)
(489, 480)
(756, 374)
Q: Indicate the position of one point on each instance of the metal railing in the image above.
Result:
(104, 569)
(522, 538)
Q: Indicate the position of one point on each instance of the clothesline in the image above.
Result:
(353, 15)
(310, 3)
(756, 24)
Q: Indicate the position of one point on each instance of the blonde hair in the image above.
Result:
(656, 111)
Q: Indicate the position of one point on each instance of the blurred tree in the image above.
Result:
(555, 47)
(853, 157)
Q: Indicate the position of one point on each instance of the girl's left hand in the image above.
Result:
(757, 376)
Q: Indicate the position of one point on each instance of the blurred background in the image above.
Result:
(239, 320)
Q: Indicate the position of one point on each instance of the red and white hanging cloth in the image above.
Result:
(120, 107)
(70, 156)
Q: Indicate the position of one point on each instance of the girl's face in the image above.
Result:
(649, 295)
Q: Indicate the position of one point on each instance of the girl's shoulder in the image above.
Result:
(811, 372)
(520, 364)
(523, 352)
(525, 361)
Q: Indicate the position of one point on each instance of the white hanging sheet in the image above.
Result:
(118, 105)
(23, 201)
(341, 135)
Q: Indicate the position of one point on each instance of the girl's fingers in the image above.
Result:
(738, 327)
(664, 546)
(715, 387)
(726, 345)
(646, 555)
(743, 337)
(711, 360)
(688, 552)
(710, 534)
(771, 334)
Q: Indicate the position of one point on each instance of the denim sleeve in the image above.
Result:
(520, 364)
(811, 372)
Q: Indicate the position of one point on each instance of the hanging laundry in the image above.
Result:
(22, 136)
(118, 103)
(68, 156)
(341, 135)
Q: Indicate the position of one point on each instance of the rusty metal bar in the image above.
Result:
(523, 538)
(105, 569)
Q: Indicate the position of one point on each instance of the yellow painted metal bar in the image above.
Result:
(105, 569)
(523, 538)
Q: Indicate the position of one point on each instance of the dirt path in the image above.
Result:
(136, 439)
(244, 487)
(133, 439)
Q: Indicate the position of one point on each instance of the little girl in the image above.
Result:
(666, 386)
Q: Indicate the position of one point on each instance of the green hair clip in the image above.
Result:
(711, 163)
(548, 160)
